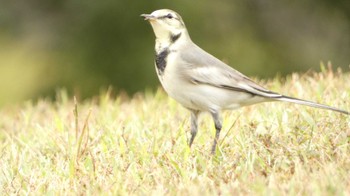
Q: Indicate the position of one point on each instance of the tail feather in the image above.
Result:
(310, 103)
(270, 95)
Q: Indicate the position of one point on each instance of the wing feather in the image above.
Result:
(203, 68)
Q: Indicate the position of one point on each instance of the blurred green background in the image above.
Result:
(85, 46)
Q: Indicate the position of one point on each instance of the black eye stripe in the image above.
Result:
(169, 16)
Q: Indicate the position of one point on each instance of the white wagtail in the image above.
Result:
(201, 82)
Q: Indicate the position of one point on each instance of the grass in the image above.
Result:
(138, 146)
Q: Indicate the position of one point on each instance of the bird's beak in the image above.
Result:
(148, 16)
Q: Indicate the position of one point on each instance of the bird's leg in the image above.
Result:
(218, 126)
(194, 125)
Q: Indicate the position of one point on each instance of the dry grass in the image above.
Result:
(137, 146)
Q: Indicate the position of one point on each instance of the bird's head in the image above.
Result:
(167, 24)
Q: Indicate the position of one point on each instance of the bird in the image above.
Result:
(199, 81)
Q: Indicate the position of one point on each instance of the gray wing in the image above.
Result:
(203, 68)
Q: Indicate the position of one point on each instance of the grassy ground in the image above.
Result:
(122, 146)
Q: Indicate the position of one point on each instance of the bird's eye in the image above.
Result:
(169, 16)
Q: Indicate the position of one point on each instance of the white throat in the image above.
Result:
(166, 39)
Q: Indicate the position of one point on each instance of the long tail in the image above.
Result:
(255, 89)
(309, 103)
